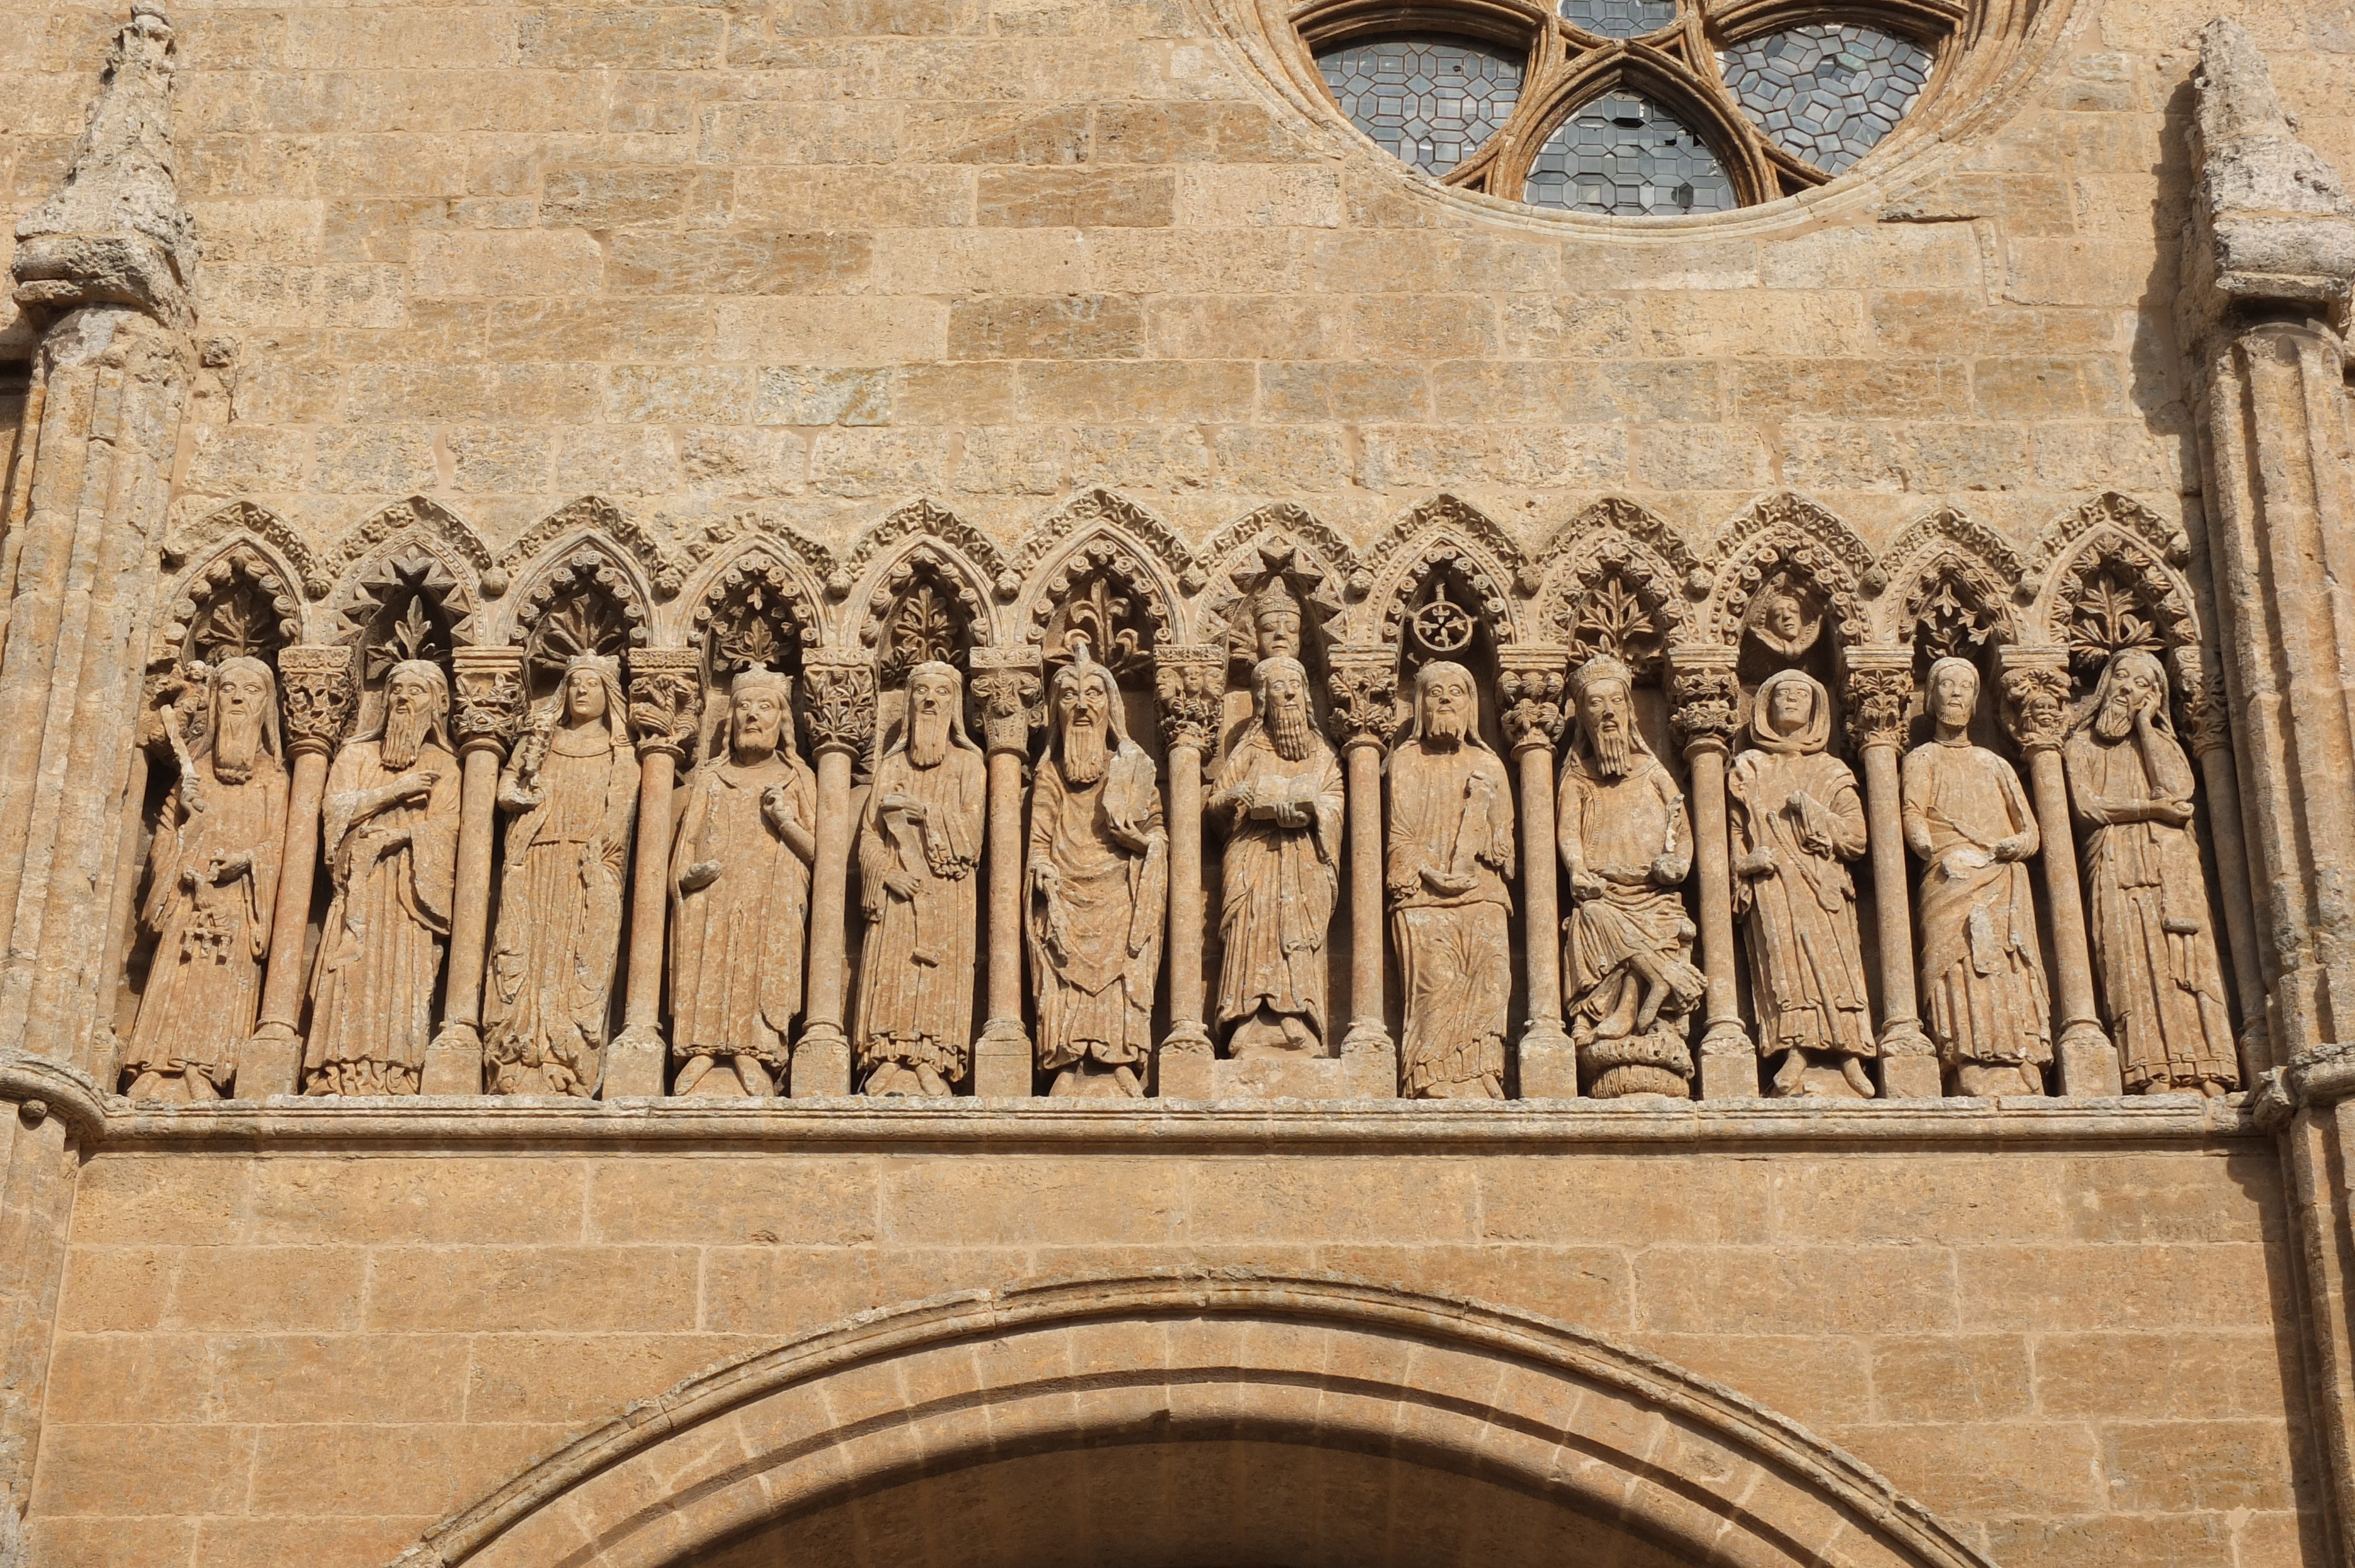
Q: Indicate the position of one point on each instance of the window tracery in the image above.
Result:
(1630, 108)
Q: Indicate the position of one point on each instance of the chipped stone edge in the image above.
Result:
(40, 1088)
(424, 1122)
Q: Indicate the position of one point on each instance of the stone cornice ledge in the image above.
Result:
(1526, 1124)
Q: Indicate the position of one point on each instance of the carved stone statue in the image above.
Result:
(1279, 794)
(391, 833)
(1450, 853)
(2130, 786)
(1275, 621)
(919, 841)
(740, 877)
(1098, 884)
(1626, 842)
(212, 885)
(1982, 976)
(1798, 820)
(571, 790)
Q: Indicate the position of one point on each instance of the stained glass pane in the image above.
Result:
(1826, 91)
(1619, 19)
(1623, 154)
(1431, 101)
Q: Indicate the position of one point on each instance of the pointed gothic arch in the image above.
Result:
(584, 597)
(595, 515)
(1786, 536)
(763, 582)
(240, 598)
(1445, 537)
(424, 523)
(265, 526)
(2110, 574)
(1616, 578)
(1953, 586)
(1101, 559)
(1317, 565)
(999, 1413)
(926, 549)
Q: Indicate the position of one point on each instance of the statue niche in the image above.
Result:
(212, 888)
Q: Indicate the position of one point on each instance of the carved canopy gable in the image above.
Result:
(594, 516)
(759, 607)
(1284, 542)
(2112, 579)
(585, 600)
(1618, 579)
(240, 601)
(410, 603)
(1441, 571)
(1786, 543)
(279, 538)
(1952, 583)
(417, 522)
(924, 582)
(1103, 571)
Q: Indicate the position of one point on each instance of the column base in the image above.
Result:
(270, 1062)
(1369, 1063)
(821, 1065)
(1185, 1065)
(1548, 1064)
(1003, 1065)
(1911, 1077)
(1729, 1062)
(634, 1065)
(453, 1063)
(2088, 1063)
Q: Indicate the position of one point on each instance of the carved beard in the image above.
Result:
(1444, 730)
(928, 740)
(1288, 729)
(1083, 750)
(1611, 753)
(2116, 721)
(235, 746)
(404, 736)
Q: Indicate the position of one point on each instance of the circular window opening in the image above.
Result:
(1631, 107)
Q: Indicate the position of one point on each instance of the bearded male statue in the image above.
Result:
(1449, 852)
(740, 877)
(1968, 822)
(571, 794)
(919, 841)
(2154, 948)
(1626, 843)
(391, 830)
(1279, 795)
(212, 885)
(1797, 821)
(1098, 883)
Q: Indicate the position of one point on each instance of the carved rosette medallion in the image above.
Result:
(841, 697)
(666, 700)
(2036, 705)
(1188, 685)
(485, 696)
(316, 687)
(1364, 689)
(1007, 696)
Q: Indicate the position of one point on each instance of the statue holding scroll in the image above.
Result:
(392, 833)
(1449, 856)
(740, 876)
(1279, 795)
(212, 885)
(1968, 821)
(571, 790)
(919, 841)
(2154, 948)
(1626, 843)
(1097, 890)
(1797, 821)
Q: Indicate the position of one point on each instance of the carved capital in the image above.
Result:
(1704, 696)
(1189, 683)
(314, 686)
(1880, 690)
(840, 691)
(2203, 719)
(486, 699)
(1531, 686)
(666, 700)
(1363, 685)
(2035, 683)
(1009, 695)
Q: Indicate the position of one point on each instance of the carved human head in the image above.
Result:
(584, 690)
(2132, 682)
(1280, 692)
(1604, 690)
(417, 685)
(760, 713)
(244, 717)
(1276, 617)
(1792, 713)
(935, 700)
(1085, 694)
(1953, 691)
(1446, 704)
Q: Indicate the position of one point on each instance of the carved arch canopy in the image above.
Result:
(758, 607)
(239, 601)
(1789, 573)
(586, 599)
(1618, 579)
(1466, 1410)
(1442, 574)
(1106, 573)
(264, 527)
(2111, 575)
(1284, 544)
(1953, 583)
(925, 586)
(594, 515)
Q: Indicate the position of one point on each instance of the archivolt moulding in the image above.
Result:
(1595, 1442)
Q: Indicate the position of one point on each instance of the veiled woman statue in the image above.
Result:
(1797, 821)
(1982, 976)
(571, 790)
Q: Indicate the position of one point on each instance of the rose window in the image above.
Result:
(1631, 107)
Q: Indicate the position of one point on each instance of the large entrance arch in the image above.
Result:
(1183, 1419)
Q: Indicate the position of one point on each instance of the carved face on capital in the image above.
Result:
(756, 719)
(1279, 632)
(1791, 706)
(1953, 697)
(584, 696)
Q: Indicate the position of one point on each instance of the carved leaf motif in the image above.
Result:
(1945, 627)
(922, 630)
(2109, 618)
(238, 624)
(580, 625)
(1612, 620)
(411, 635)
(1103, 621)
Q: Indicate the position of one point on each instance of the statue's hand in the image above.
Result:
(226, 868)
(2174, 813)
(1585, 885)
(2011, 849)
(1668, 870)
(1446, 886)
(698, 876)
(417, 786)
(902, 884)
(1127, 835)
(187, 879)
(1758, 863)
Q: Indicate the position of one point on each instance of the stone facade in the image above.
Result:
(1388, 875)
